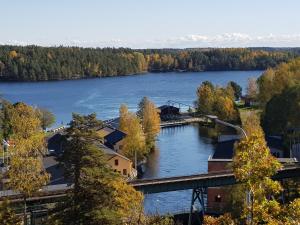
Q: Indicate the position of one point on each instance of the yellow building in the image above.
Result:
(118, 162)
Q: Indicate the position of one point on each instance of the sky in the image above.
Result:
(151, 23)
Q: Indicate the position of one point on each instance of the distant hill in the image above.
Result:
(34, 63)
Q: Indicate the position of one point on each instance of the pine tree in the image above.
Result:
(99, 195)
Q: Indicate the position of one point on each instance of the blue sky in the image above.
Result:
(151, 23)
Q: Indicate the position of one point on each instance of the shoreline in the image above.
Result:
(119, 76)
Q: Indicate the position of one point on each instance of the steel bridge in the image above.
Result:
(150, 186)
(198, 183)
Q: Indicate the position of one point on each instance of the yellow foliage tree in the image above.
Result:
(13, 54)
(26, 173)
(134, 142)
(150, 121)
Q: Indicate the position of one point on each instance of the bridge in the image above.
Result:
(198, 183)
(150, 186)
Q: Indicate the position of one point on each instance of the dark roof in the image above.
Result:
(224, 150)
(275, 142)
(113, 138)
(167, 106)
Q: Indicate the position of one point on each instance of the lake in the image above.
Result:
(181, 150)
(104, 95)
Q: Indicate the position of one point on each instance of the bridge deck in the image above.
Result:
(223, 178)
(149, 186)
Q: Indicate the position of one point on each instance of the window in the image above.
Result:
(218, 198)
(124, 172)
(116, 162)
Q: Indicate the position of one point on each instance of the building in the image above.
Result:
(118, 162)
(105, 131)
(114, 140)
(168, 110)
(113, 143)
(217, 197)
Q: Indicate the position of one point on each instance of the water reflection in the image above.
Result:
(181, 150)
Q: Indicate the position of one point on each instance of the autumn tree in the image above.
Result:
(253, 166)
(134, 143)
(221, 220)
(274, 81)
(218, 101)
(149, 115)
(46, 117)
(252, 88)
(251, 123)
(7, 214)
(205, 94)
(26, 174)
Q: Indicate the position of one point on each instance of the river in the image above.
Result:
(180, 150)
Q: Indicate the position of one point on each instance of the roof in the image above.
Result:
(167, 106)
(114, 137)
(105, 131)
(225, 149)
(274, 142)
(110, 152)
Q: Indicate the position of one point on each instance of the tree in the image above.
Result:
(6, 129)
(205, 94)
(134, 142)
(251, 123)
(150, 121)
(225, 109)
(7, 214)
(26, 173)
(221, 220)
(46, 117)
(218, 101)
(237, 89)
(281, 112)
(99, 196)
(252, 89)
(274, 81)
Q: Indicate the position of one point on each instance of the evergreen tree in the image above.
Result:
(99, 195)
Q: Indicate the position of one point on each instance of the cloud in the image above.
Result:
(187, 41)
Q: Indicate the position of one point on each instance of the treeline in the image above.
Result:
(34, 63)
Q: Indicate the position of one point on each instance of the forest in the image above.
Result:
(34, 63)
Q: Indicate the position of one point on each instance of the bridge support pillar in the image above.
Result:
(198, 194)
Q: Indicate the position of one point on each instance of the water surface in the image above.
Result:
(104, 95)
(181, 150)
